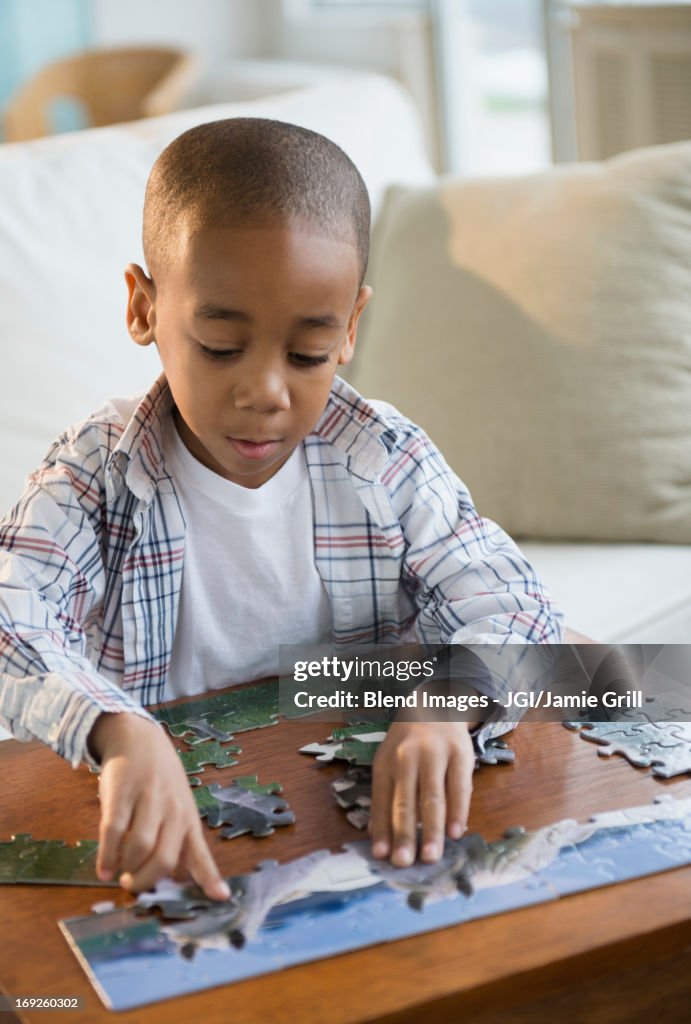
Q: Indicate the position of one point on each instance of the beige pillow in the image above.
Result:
(539, 328)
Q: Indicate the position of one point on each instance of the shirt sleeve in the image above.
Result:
(470, 582)
(52, 583)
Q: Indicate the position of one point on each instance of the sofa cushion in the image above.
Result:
(539, 328)
(619, 593)
(70, 220)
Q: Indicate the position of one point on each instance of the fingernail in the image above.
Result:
(380, 848)
(222, 890)
(403, 856)
(430, 851)
(105, 874)
(456, 830)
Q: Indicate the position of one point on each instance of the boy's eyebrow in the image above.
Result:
(210, 311)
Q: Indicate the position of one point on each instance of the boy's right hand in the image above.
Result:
(150, 824)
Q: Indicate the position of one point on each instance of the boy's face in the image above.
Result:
(250, 324)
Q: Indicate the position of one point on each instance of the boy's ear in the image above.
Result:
(141, 314)
(363, 297)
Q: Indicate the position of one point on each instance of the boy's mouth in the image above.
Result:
(254, 449)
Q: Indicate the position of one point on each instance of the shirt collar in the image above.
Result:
(349, 422)
(137, 458)
(357, 428)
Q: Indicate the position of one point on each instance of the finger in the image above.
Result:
(115, 821)
(196, 858)
(459, 787)
(403, 811)
(141, 842)
(380, 811)
(432, 802)
(160, 864)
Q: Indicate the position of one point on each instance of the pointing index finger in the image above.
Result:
(197, 859)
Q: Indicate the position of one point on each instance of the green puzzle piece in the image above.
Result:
(251, 783)
(210, 752)
(222, 715)
(358, 751)
(49, 861)
(358, 729)
(208, 804)
(343, 745)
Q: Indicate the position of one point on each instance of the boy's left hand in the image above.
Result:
(422, 771)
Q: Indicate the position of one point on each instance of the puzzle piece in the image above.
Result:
(210, 752)
(174, 901)
(493, 751)
(245, 805)
(346, 732)
(353, 791)
(224, 714)
(49, 861)
(359, 751)
(357, 747)
(664, 746)
(198, 730)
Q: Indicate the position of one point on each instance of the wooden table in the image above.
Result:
(617, 954)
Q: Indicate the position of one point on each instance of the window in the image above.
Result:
(490, 77)
(369, 3)
(505, 122)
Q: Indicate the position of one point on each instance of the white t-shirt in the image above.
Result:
(249, 581)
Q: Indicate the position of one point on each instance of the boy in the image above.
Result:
(251, 498)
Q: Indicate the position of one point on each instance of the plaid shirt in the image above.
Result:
(91, 561)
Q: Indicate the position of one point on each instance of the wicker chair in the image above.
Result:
(113, 85)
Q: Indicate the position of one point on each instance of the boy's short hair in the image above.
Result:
(247, 169)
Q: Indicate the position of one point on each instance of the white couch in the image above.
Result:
(70, 211)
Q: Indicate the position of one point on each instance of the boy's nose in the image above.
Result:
(263, 391)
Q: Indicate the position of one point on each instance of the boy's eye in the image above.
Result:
(301, 360)
(297, 357)
(217, 353)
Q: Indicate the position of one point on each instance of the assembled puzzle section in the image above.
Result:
(49, 862)
(329, 903)
(221, 716)
(663, 746)
(207, 752)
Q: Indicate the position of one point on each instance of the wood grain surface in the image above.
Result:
(532, 964)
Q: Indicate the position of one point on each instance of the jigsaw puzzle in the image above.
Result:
(209, 752)
(49, 861)
(664, 746)
(244, 806)
(221, 716)
(325, 904)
